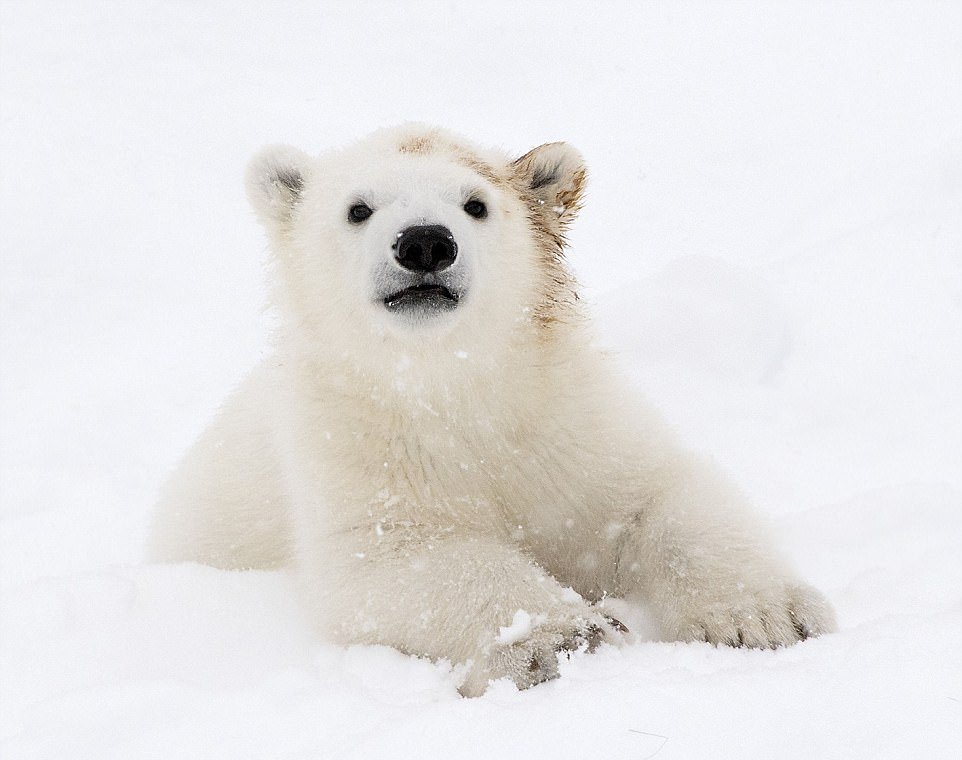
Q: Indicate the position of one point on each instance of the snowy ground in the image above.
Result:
(773, 239)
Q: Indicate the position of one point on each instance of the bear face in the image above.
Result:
(409, 236)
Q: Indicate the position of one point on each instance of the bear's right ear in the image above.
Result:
(275, 180)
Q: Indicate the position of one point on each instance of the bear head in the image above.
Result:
(414, 237)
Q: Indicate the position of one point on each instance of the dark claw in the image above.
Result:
(616, 624)
(801, 630)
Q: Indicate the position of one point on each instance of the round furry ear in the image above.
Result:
(275, 180)
(554, 173)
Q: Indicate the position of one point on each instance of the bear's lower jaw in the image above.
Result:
(422, 299)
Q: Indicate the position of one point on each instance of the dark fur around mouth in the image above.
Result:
(422, 296)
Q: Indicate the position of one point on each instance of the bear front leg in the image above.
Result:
(466, 599)
(696, 557)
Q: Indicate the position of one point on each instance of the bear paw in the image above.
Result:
(763, 619)
(533, 658)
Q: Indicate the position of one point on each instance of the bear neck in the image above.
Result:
(450, 379)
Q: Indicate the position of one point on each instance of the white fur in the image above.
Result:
(429, 478)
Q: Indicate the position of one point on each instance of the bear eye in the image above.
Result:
(359, 212)
(476, 208)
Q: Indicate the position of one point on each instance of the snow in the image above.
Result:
(519, 628)
(772, 240)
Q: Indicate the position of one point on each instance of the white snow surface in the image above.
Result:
(772, 240)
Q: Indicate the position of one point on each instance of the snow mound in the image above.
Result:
(701, 315)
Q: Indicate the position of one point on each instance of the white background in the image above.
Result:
(772, 240)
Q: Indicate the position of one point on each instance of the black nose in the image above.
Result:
(426, 248)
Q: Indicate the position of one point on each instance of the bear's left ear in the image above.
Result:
(275, 180)
(554, 175)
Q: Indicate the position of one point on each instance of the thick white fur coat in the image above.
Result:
(430, 475)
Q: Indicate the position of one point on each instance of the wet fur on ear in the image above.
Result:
(275, 181)
(552, 175)
(550, 180)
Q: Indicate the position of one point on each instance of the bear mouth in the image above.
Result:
(424, 296)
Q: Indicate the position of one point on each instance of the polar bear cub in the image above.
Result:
(436, 446)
